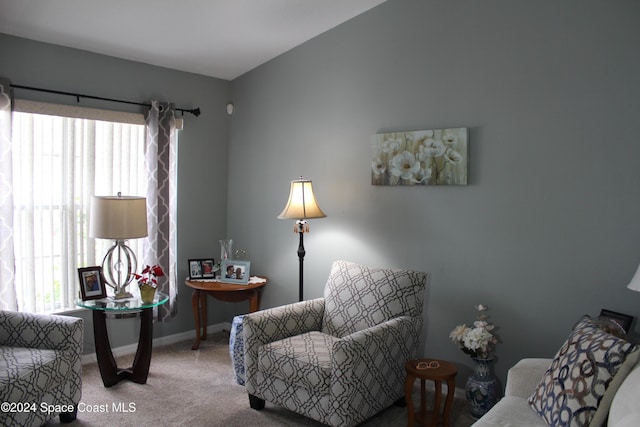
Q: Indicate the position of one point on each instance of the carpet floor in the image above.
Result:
(198, 388)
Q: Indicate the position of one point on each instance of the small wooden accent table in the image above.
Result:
(437, 371)
(229, 292)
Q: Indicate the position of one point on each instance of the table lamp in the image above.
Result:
(302, 205)
(634, 285)
(119, 218)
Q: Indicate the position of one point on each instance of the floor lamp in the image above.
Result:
(118, 218)
(302, 205)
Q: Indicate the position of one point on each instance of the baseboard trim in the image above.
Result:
(167, 340)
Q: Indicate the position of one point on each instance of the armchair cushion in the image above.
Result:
(306, 357)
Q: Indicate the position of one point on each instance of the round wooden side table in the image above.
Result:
(437, 371)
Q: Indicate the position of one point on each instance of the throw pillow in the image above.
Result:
(575, 383)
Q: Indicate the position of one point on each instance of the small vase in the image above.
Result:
(481, 388)
(147, 293)
(226, 247)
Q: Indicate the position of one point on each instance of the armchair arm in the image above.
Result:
(524, 376)
(265, 326)
(42, 331)
(368, 365)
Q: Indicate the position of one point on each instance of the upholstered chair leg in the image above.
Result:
(255, 402)
(67, 417)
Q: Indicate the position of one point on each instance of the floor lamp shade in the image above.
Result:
(302, 202)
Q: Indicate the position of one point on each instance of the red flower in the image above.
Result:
(149, 276)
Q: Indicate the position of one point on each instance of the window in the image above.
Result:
(60, 159)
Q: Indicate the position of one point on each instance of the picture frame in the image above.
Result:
(92, 283)
(202, 268)
(620, 319)
(235, 271)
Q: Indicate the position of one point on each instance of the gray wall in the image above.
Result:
(547, 229)
(202, 153)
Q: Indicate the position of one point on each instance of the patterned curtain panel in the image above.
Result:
(8, 300)
(161, 166)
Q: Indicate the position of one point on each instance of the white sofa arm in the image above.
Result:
(624, 410)
(524, 376)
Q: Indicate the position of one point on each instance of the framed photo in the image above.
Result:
(620, 319)
(92, 283)
(235, 271)
(202, 268)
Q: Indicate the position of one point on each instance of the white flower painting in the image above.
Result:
(424, 157)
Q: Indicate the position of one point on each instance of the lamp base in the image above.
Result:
(123, 295)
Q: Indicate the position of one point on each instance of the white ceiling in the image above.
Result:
(218, 38)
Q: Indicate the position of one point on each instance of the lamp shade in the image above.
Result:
(635, 281)
(302, 202)
(118, 217)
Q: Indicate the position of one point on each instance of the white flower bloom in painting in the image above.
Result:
(449, 139)
(453, 156)
(391, 145)
(433, 148)
(422, 176)
(378, 167)
(422, 135)
(404, 165)
(422, 154)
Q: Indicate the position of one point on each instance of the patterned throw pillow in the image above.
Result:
(574, 385)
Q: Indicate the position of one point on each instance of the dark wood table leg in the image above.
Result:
(203, 310)
(195, 305)
(408, 391)
(451, 388)
(106, 362)
(436, 405)
(140, 370)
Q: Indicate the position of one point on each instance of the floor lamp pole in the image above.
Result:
(301, 254)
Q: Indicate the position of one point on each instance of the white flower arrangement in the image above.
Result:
(477, 341)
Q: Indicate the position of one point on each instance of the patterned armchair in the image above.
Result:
(338, 359)
(40, 367)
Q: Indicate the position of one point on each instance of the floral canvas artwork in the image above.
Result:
(424, 157)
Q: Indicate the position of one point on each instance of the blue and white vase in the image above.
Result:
(481, 388)
(236, 349)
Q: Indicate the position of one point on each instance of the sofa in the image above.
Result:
(40, 368)
(593, 380)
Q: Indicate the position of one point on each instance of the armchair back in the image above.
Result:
(358, 297)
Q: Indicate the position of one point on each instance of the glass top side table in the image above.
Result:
(100, 309)
(122, 305)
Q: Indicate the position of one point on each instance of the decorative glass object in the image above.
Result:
(226, 249)
(481, 388)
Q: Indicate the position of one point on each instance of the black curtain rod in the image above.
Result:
(194, 111)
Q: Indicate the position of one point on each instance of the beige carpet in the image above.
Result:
(197, 388)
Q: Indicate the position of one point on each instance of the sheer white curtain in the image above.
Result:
(59, 163)
(8, 299)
